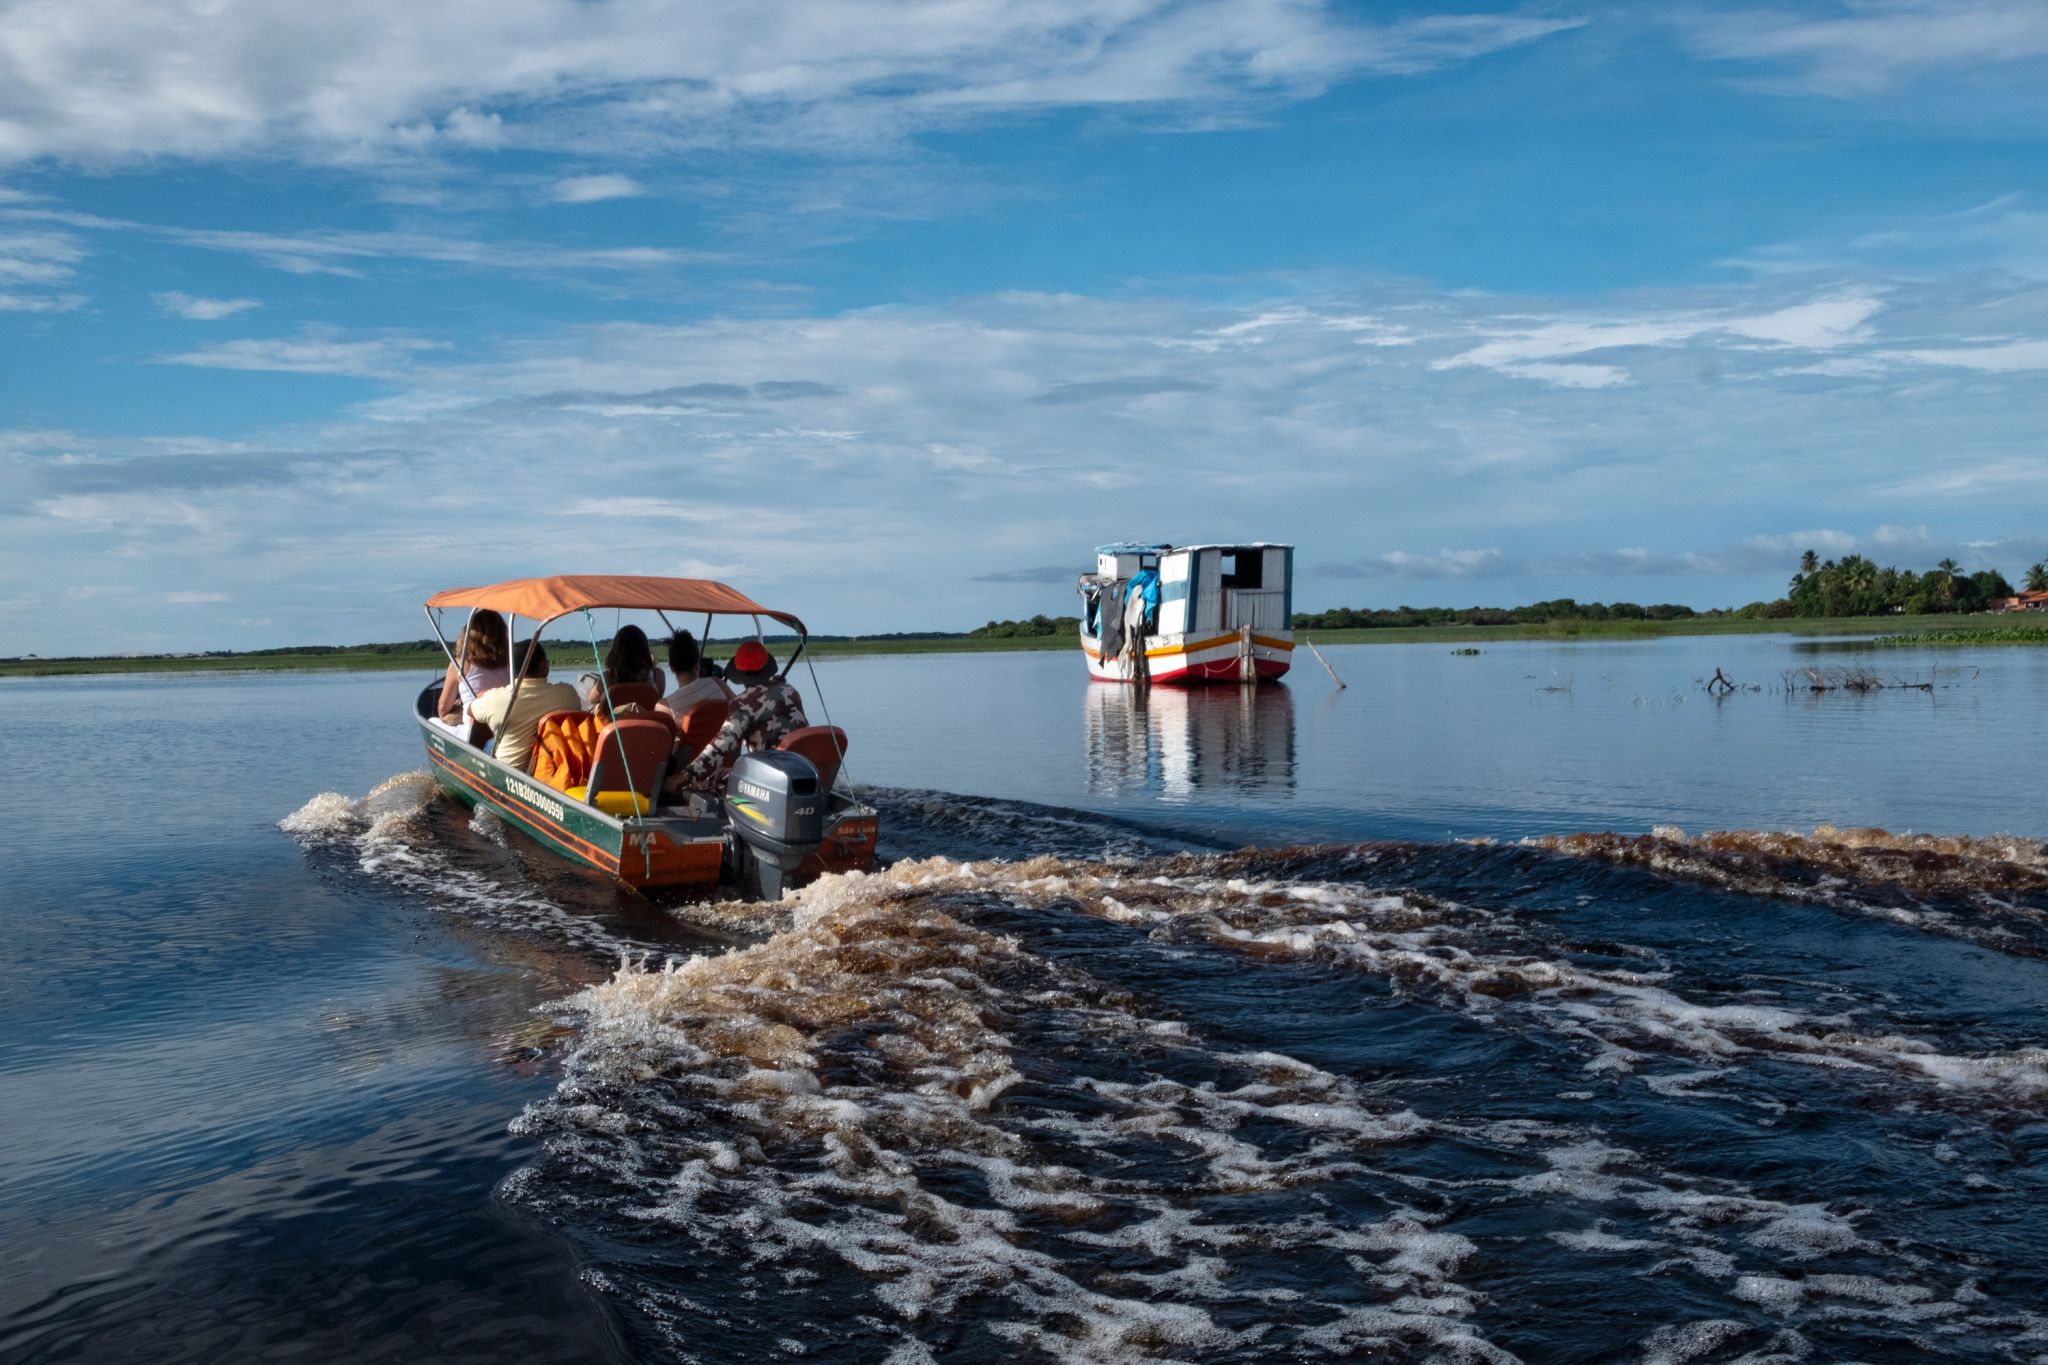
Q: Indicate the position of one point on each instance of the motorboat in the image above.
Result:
(784, 816)
(1189, 613)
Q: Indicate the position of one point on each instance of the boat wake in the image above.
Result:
(913, 1115)
(1098, 1094)
(407, 838)
(1992, 891)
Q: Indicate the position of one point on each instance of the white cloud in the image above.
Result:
(96, 80)
(34, 268)
(194, 598)
(1902, 537)
(201, 309)
(2003, 233)
(313, 352)
(1974, 479)
(2002, 358)
(1869, 46)
(906, 443)
(40, 303)
(1443, 564)
(351, 253)
(1547, 351)
(589, 189)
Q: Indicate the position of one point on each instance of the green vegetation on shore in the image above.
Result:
(1855, 586)
(1853, 589)
(1561, 609)
(1063, 626)
(568, 657)
(1976, 635)
(572, 656)
(1723, 624)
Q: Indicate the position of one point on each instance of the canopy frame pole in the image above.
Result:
(511, 638)
(612, 722)
(434, 623)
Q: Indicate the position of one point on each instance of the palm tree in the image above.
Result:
(2037, 577)
(1947, 569)
(1808, 562)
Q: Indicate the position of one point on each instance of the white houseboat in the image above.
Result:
(1189, 613)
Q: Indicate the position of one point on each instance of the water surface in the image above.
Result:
(1412, 1076)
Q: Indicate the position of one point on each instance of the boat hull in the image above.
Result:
(1185, 659)
(662, 851)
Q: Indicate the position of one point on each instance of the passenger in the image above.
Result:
(629, 660)
(479, 666)
(762, 714)
(514, 719)
(683, 661)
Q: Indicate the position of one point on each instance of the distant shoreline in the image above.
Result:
(367, 660)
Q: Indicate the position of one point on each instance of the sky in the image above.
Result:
(888, 313)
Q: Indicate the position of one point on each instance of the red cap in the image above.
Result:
(752, 657)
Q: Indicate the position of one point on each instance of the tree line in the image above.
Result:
(1037, 625)
(1856, 586)
(1535, 613)
(1850, 586)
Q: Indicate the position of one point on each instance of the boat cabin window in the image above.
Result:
(1244, 568)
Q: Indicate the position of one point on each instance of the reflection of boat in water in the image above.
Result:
(1179, 741)
(1189, 613)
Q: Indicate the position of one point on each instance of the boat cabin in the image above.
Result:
(1203, 612)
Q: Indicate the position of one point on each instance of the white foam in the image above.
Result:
(1769, 1291)
(1681, 1342)
(1485, 964)
(392, 844)
(327, 816)
(877, 1036)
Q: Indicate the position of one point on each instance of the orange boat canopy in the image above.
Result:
(543, 599)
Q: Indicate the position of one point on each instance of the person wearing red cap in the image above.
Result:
(764, 711)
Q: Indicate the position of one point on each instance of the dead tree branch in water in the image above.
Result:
(1860, 681)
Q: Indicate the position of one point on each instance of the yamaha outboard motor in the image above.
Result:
(775, 810)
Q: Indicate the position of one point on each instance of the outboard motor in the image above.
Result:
(775, 810)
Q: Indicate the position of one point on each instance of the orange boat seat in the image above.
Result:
(699, 725)
(823, 745)
(564, 744)
(632, 759)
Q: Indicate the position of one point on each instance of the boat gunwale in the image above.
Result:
(847, 805)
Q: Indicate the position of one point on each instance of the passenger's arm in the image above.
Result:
(451, 694)
(719, 753)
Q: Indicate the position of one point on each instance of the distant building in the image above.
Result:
(2021, 601)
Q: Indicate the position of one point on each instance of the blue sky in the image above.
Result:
(889, 312)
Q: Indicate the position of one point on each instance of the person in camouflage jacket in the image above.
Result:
(767, 709)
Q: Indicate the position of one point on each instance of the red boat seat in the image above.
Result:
(823, 745)
(699, 725)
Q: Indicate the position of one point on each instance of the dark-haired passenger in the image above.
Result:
(480, 664)
(629, 660)
(692, 685)
(514, 711)
(766, 709)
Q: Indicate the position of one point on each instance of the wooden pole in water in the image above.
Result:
(1324, 662)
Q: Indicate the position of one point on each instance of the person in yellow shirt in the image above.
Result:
(514, 711)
